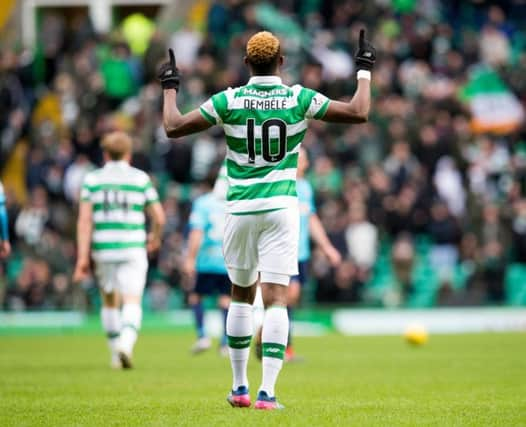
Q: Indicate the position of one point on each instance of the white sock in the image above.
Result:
(131, 324)
(239, 333)
(274, 342)
(111, 322)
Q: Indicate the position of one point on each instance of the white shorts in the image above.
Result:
(125, 277)
(265, 243)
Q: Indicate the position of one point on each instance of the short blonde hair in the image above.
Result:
(262, 48)
(117, 144)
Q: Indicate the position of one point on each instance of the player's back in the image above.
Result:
(265, 122)
(119, 194)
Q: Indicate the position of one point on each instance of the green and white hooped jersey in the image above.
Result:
(264, 123)
(119, 195)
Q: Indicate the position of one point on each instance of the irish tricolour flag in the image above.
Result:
(494, 108)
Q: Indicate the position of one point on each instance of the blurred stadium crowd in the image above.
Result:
(427, 206)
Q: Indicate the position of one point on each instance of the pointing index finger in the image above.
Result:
(361, 38)
(172, 57)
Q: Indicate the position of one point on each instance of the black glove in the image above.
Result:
(168, 74)
(366, 54)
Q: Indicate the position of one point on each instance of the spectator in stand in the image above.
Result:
(362, 242)
(33, 286)
(32, 219)
(14, 106)
(445, 234)
(405, 211)
(121, 74)
(74, 177)
(401, 166)
(429, 149)
(489, 161)
(493, 239)
(325, 177)
(379, 199)
(403, 258)
(519, 231)
(449, 186)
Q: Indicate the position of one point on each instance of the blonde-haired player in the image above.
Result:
(111, 225)
(264, 123)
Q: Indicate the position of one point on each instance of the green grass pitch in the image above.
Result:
(462, 380)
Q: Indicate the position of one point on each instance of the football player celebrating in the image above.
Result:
(264, 122)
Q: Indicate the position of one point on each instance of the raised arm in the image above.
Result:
(357, 110)
(175, 123)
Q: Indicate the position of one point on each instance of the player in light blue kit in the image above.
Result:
(205, 262)
(5, 247)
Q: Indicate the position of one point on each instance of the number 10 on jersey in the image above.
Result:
(266, 149)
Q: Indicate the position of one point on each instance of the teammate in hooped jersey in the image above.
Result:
(111, 225)
(261, 231)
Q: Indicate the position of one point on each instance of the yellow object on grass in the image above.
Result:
(416, 334)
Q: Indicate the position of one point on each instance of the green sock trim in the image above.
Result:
(239, 342)
(112, 335)
(129, 325)
(270, 349)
